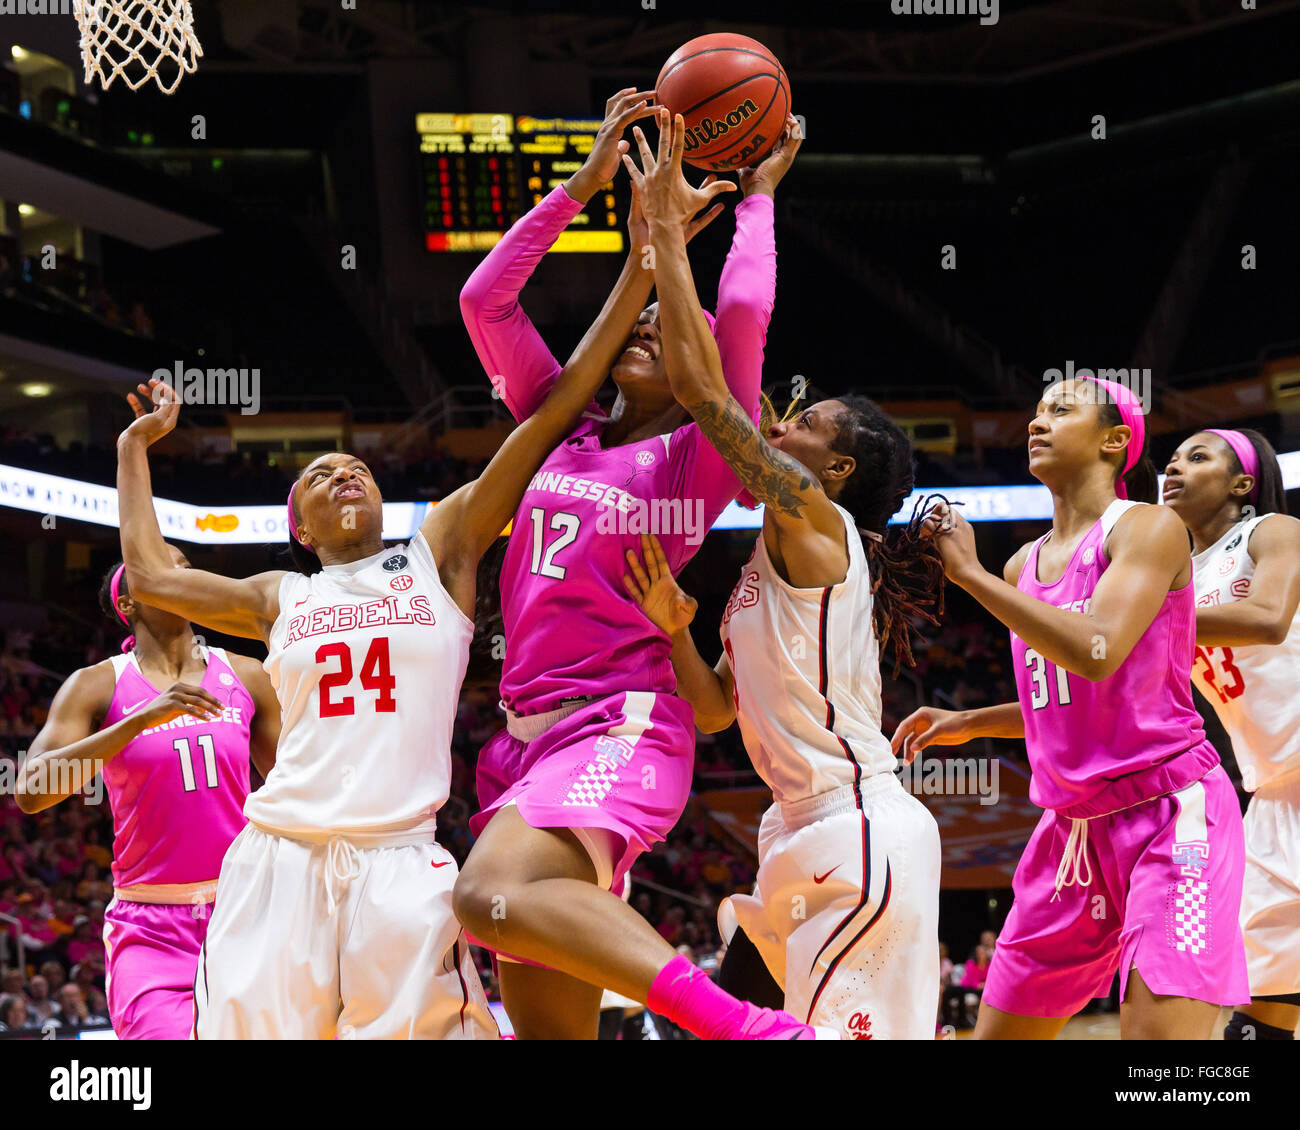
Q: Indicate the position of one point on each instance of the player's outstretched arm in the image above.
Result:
(70, 751)
(1266, 614)
(790, 491)
(246, 607)
(747, 287)
(1148, 552)
(520, 366)
(931, 726)
(709, 690)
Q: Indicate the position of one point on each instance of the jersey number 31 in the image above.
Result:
(1040, 693)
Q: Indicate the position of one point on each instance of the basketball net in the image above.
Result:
(133, 38)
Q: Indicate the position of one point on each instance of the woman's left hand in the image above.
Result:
(955, 539)
(665, 195)
(765, 176)
(638, 230)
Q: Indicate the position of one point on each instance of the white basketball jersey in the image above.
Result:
(1255, 690)
(807, 671)
(367, 660)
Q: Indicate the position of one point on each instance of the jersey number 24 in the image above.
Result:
(376, 675)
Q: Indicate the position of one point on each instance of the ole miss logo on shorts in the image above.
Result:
(859, 1026)
(402, 583)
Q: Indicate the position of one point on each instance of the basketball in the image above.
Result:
(734, 96)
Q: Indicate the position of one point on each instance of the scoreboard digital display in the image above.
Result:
(481, 172)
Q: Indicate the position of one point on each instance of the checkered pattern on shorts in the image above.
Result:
(592, 787)
(1191, 915)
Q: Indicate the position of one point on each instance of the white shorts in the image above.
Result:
(317, 942)
(845, 912)
(1270, 894)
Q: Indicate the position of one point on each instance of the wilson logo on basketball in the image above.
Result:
(710, 129)
(859, 1026)
(402, 583)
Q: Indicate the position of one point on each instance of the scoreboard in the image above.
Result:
(480, 172)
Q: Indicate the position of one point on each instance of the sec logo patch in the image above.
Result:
(402, 583)
(1225, 566)
(645, 458)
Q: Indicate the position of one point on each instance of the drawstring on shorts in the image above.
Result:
(1075, 859)
(342, 865)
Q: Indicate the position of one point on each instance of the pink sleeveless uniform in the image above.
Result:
(1138, 860)
(587, 679)
(177, 793)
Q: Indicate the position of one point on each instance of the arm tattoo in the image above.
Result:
(773, 477)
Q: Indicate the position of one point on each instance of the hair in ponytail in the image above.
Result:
(906, 567)
(1143, 481)
(1270, 493)
(106, 595)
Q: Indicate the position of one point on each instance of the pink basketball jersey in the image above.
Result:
(572, 629)
(177, 790)
(1100, 747)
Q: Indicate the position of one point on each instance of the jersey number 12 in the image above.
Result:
(543, 562)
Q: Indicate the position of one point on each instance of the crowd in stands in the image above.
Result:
(70, 284)
(962, 985)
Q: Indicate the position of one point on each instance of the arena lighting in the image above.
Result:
(17, 52)
(26, 210)
(58, 497)
(36, 388)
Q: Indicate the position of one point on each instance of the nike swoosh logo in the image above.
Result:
(302, 601)
(823, 878)
(129, 709)
(444, 863)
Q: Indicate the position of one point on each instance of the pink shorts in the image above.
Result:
(151, 955)
(1164, 897)
(621, 764)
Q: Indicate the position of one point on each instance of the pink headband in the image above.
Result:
(1245, 452)
(293, 522)
(1130, 413)
(114, 588)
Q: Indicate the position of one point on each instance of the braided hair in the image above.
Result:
(906, 567)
